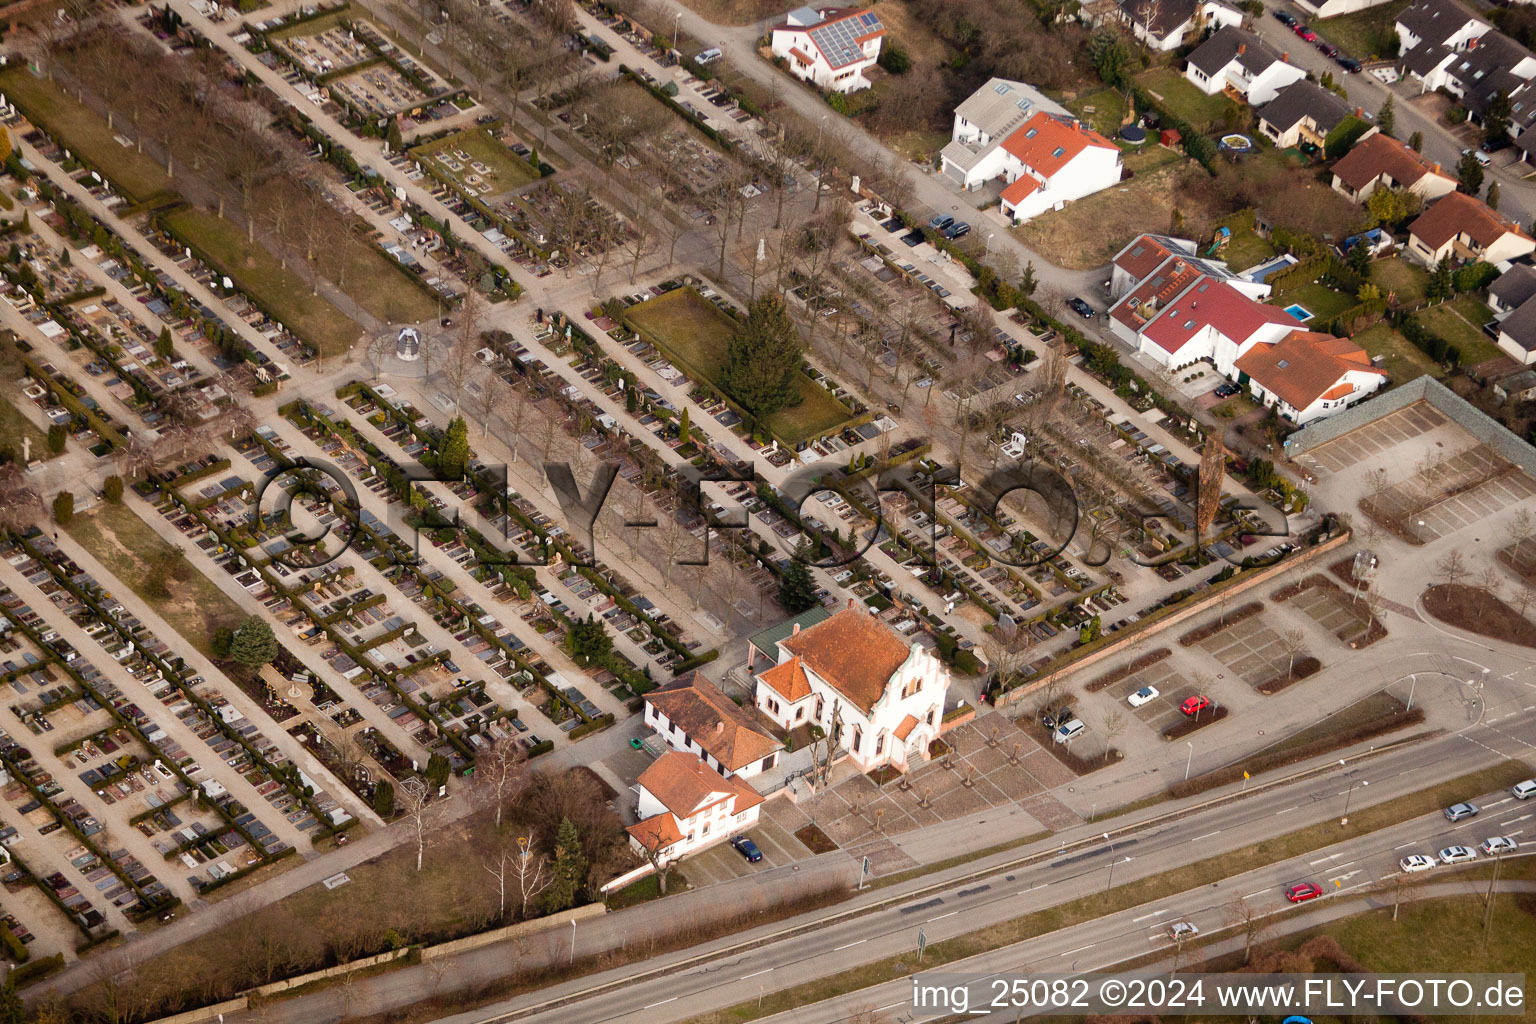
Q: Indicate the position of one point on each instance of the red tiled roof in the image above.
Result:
(854, 652)
(713, 720)
(1021, 187)
(684, 784)
(1046, 144)
(1458, 213)
(787, 679)
(1313, 367)
(1214, 304)
(1142, 256)
(1381, 154)
(657, 832)
(905, 728)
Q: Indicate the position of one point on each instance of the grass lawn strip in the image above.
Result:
(695, 332)
(1246, 250)
(255, 270)
(14, 426)
(1180, 96)
(1402, 359)
(1321, 301)
(1358, 32)
(1400, 276)
(1123, 897)
(78, 129)
(1457, 322)
(127, 546)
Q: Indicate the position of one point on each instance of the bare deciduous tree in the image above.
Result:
(502, 772)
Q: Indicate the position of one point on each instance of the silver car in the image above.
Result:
(1416, 862)
(1497, 846)
(1457, 855)
(1456, 812)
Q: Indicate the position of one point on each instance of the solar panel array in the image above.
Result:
(839, 40)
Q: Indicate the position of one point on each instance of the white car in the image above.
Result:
(1416, 862)
(1069, 730)
(1181, 930)
(1524, 790)
(1497, 846)
(1145, 695)
(1457, 855)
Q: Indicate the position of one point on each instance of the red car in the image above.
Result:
(1305, 33)
(1194, 705)
(1302, 891)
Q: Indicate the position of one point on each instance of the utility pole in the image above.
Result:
(1493, 880)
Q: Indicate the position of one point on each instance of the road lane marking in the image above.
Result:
(1253, 894)
(1405, 846)
(941, 917)
(1143, 917)
(1500, 803)
(1206, 836)
(1079, 949)
(1324, 860)
(664, 1002)
(754, 974)
(850, 945)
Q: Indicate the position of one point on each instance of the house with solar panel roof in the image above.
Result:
(831, 47)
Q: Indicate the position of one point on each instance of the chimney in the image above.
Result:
(796, 630)
(1437, 168)
(1242, 48)
(1472, 44)
(850, 604)
(1359, 111)
(719, 727)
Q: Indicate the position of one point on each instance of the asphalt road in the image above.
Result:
(975, 902)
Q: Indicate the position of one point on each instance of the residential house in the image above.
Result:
(1512, 290)
(1050, 161)
(692, 715)
(831, 47)
(1306, 376)
(685, 805)
(876, 696)
(1464, 227)
(1377, 160)
(983, 120)
(1242, 64)
(1517, 328)
(1302, 113)
(1165, 25)
(763, 646)
(1179, 308)
(1442, 24)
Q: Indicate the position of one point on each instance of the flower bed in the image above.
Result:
(1210, 629)
(1115, 675)
(1303, 668)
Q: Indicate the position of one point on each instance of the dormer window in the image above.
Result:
(1058, 151)
(1282, 364)
(1032, 133)
(1001, 89)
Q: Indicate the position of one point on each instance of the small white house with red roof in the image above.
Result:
(685, 805)
(830, 47)
(1045, 157)
(1307, 375)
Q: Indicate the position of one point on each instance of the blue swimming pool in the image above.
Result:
(1299, 311)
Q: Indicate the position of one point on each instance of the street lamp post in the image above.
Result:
(1111, 843)
(1190, 760)
(1347, 794)
(1413, 684)
(573, 940)
(1418, 534)
(676, 24)
(990, 235)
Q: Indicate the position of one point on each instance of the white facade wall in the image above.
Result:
(1092, 170)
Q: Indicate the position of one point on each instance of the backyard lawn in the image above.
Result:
(1459, 322)
(505, 169)
(697, 334)
(281, 291)
(1400, 276)
(1180, 96)
(1247, 249)
(1402, 359)
(1362, 34)
(1108, 109)
(79, 130)
(1321, 301)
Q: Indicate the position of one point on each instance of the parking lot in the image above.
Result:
(1163, 710)
(1249, 649)
(723, 862)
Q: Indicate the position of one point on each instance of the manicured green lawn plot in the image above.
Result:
(1459, 322)
(1363, 34)
(1247, 249)
(479, 164)
(1180, 96)
(1318, 299)
(697, 334)
(313, 27)
(283, 292)
(1398, 275)
(1102, 111)
(78, 129)
(1402, 359)
(14, 427)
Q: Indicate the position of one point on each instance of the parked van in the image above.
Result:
(1069, 730)
(1524, 790)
